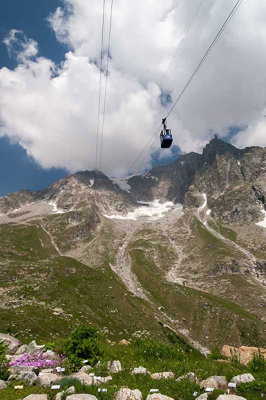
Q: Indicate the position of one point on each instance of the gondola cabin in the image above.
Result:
(166, 138)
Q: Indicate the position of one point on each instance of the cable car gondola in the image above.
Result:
(166, 136)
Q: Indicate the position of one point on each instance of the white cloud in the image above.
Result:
(54, 117)
(19, 46)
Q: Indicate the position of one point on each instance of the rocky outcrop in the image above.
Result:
(244, 353)
(47, 379)
(230, 397)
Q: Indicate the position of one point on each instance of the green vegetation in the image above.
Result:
(3, 362)
(82, 344)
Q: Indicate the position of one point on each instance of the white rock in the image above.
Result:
(128, 394)
(2, 384)
(48, 379)
(30, 348)
(85, 368)
(59, 396)
(158, 396)
(203, 396)
(11, 342)
(83, 377)
(31, 377)
(81, 397)
(230, 397)
(163, 375)
(244, 378)
(36, 397)
(46, 371)
(115, 367)
(215, 382)
(140, 370)
(71, 390)
(190, 375)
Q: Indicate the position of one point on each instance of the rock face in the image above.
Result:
(11, 342)
(244, 378)
(244, 353)
(30, 348)
(128, 394)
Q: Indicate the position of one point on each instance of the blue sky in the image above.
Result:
(17, 170)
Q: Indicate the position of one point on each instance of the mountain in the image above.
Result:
(180, 249)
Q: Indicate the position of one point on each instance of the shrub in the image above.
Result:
(258, 363)
(3, 362)
(82, 344)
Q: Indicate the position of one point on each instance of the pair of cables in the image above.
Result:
(103, 91)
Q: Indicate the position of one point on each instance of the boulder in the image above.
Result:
(244, 378)
(36, 397)
(115, 367)
(47, 379)
(190, 375)
(103, 379)
(2, 384)
(83, 377)
(51, 355)
(163, 375)
(203, 396)
(19, 369)
(230, 397)
(30, 377)
(158, 396)
(85, 368)
(140, 370)
(81, 397)
(128, 394)
(59, 396)
(46, 371)
(244, 353)
(215, 382)
(71, 390)
(30, 348)
(11, 342)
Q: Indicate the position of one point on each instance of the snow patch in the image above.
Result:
(91, 182)
(204, 202)
(208, 212)
(55, 209)
(262, 223)
(238, 163)
(154, 210)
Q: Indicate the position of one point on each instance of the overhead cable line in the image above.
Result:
(100, 86)
(214, 41)
(106, 80)
(186, 33)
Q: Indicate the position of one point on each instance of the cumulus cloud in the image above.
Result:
(52, 110)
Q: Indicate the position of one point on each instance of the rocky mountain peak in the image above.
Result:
(218, 147)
